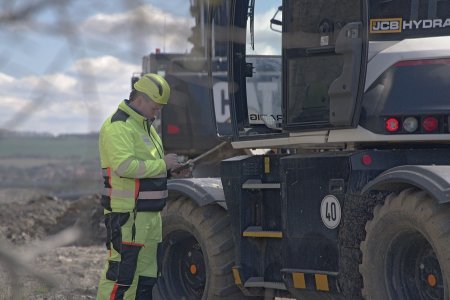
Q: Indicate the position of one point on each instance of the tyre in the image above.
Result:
(406, 251)
(197, 253)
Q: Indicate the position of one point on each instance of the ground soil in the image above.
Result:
(27, 218)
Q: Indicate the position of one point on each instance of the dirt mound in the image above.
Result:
(37, 218)
(75, 267)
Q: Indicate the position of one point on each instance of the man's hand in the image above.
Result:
(183, 170)
(171, 161)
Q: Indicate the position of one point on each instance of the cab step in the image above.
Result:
(258, 282)
(258, 232)
(256, 184)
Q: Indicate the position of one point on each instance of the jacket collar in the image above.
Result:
(133, 113)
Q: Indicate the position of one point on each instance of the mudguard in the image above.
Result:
(435, 180)
(202, 191)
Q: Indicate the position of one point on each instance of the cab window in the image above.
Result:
(310, 30)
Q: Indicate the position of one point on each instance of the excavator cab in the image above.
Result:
(342, 65)
(323, 55)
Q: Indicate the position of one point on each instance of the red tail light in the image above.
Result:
(173, 129)
(430, 124)
(391, 125)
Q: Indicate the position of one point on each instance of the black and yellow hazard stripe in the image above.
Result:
(236, 275)
(311, 280)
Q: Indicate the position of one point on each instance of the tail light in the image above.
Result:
(416, 124)
(391, 125)
(430, 124)
(173, 129)
(410, 124)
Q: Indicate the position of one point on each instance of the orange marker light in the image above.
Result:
(431, 279)
(193, 269)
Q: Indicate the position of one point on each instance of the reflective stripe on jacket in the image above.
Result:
(134, 170)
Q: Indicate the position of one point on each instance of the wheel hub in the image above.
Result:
(184, 266)
(413, 269)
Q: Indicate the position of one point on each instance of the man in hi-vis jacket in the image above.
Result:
(135, 172)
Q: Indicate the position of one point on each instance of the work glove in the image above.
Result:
(171, 161)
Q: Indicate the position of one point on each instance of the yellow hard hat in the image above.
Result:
(155, 87)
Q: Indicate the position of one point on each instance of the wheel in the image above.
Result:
(406, 251)
(197, 253)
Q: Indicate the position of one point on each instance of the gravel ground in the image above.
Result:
(26, 222)
(75, 269)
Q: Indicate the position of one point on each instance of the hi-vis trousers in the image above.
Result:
(131, 267)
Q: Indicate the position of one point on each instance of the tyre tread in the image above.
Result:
(211, 226)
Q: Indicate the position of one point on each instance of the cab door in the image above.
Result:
(322, 60)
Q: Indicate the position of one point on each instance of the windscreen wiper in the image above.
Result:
(251, 16)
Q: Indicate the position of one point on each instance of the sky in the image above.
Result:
(66, 64)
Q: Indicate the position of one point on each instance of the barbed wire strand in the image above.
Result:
(23, 13)
(19, 263)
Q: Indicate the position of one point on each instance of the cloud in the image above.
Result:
(146, 27)
(77, 100)
(79, 97)
(5, 79)
(58, 81)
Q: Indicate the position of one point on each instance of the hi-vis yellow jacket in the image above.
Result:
(134, 170)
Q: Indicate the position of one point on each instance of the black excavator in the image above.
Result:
(350, 197)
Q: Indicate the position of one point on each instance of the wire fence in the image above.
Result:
(44, 36)
(49, 83)
(16, 263)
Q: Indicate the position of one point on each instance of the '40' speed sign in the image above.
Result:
(330, 211)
